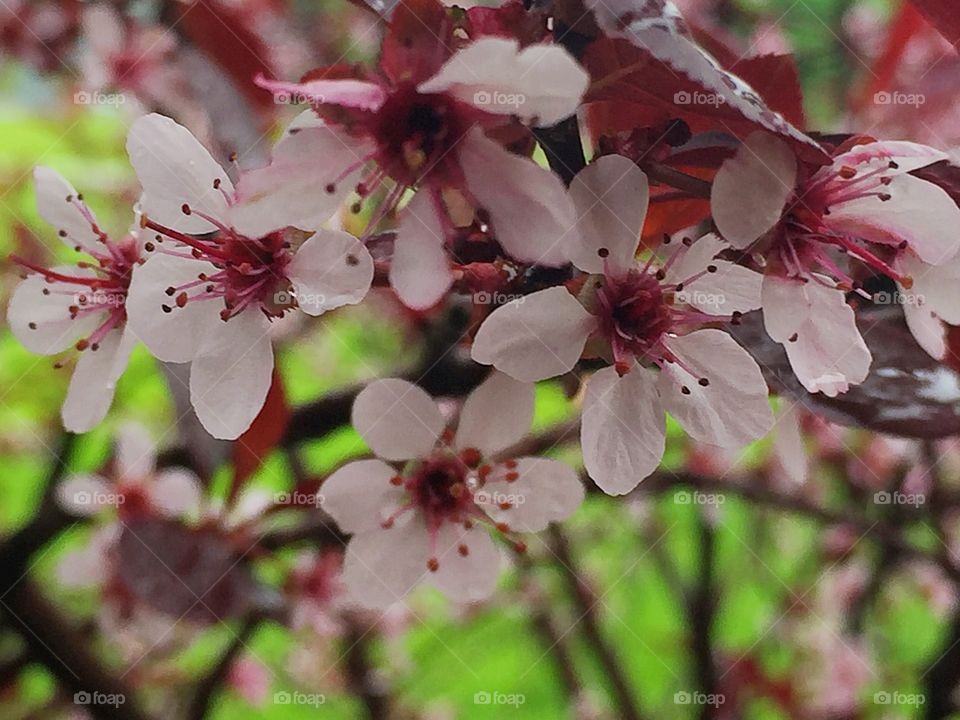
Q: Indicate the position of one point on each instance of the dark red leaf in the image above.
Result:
(944, 16)
(226, 35)
(418, 40)
(252, 448)
(777, 80)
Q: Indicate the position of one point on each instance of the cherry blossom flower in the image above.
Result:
(208, 296)
(423, 123)
(134, 486)
(82, 306)
(430, 521)
(640, 319)
(866, 206)
(316, 591)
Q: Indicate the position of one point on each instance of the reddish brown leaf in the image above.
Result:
(944, 16)
(777, 80)
(252, 448)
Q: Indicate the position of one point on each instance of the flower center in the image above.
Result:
(634, 314)
(415, 133)
(438, 486)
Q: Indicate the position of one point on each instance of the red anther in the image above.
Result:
(463, 550)
(471, 457)
(433, 564)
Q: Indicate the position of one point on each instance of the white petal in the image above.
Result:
(470, 577)
(535, 337)
(175, 336)
(304, 165)
(382, 566)
(345, 92)
(788, 444)
(103, 29)
(496, 415)
(175, 492)
(420, 271)
(397, 419)
(84, 495)
(751, 188)
(175, 169)
(57, 203)
(532, 216)
(909, 156)
(827, 352)
(330, 270)
(90, 564)
(927, 329)
(231, 375)
(540, 83)
(935, 287)
(919, 212)
(94, 380)
(624, 428)
(547, 491)
(730, 289)
(733, 409)
(54, 331)
(359, 496)
(136, 452)
(610, 196)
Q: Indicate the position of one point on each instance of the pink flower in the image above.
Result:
(208, 297)
(865, 206)
(81, 306)
(430, 521)
(647, 322)
(426, 131)
(134, 486)
(250, 679)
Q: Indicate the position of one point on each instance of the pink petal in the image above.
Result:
(57, 204)
(420, 271)
(919, 212)
(732, 410)
(610, 196)
(546, 491)
(84, 495)
(935, 287)
(383, 566)
(732, 288)
(94, 381)
(54, 331)
(535, 337)
(397, 419)
(908, 156)
(176, 492)
(466, 577)
(331, 269)
(496, 415)
(541, 84)
(827, 352)
(751, 189)
(360, 496)
(624, 428)
(231, 375)
(307, 164)
(788, 444)
(348, 93)
(927, 329)
(532, 215)
(175, 169)
(175, 336)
